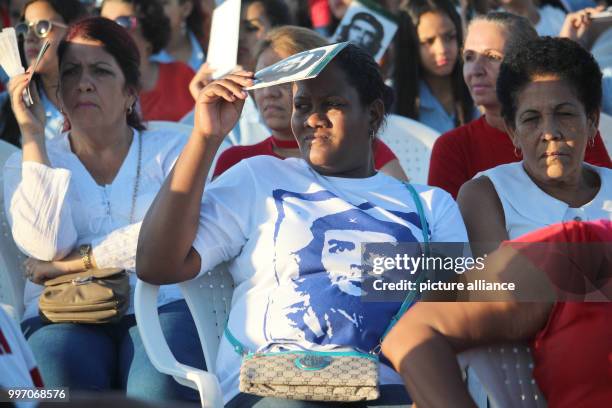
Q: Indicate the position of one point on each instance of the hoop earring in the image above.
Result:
(66, 125)
(517, 152)
(591, 142)
(130, 109)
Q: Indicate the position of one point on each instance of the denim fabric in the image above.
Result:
(433, 114)
(112, 356)
(197, 54)
(390, 396)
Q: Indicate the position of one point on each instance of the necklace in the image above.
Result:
(137, 180)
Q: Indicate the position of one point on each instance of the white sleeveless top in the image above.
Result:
(527, 207)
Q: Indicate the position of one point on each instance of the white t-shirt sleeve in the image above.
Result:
(446, 221)
(226, 215)
(36, 206)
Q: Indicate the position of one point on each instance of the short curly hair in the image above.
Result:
(153, 22)
(364, 74)
(547, 55)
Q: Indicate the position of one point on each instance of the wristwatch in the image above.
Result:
(85, 252)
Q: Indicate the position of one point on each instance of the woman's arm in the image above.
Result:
(165, 253)
(35, 193)
(423, 345)
(483, 215)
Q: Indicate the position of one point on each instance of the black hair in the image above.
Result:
(363, 73)
(195, 19)
(371, 20)
(546, 55)
(408, 85)
(277, 11)
(153, 22)
(70, 10)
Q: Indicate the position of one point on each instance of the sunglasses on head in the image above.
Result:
(127, 22)
(41, 28)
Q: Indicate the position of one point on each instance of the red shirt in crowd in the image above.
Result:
(233, 155)
(458, 155)
(573, 352)
(170, 99)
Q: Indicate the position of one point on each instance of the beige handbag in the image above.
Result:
(94, 296)
(317, 376)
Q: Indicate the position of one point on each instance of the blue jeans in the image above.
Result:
(394, 396)
(112, 356)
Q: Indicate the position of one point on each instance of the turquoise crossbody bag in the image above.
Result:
(344, 376)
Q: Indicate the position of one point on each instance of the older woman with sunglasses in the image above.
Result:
(165, 86)
(75, 203)
(43, 20)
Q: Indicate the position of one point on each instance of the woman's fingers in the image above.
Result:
(217, 90)
(227, 88)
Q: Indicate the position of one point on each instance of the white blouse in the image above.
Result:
(527, 208)
(53, 210)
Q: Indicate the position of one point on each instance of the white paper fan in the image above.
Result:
(9, 52)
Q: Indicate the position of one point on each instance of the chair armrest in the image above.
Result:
(147, 319)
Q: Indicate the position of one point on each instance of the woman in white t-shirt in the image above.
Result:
(292, 229)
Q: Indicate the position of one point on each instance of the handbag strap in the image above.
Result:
(241, 350)
(425, 230)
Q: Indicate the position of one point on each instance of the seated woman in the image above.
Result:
(571, 340)
(550, 93)
(40, 21)
(165, 86)
(460, 154)
(75, 203)
(291, 229)
(186, 34)
(275, 106)
(430, 88)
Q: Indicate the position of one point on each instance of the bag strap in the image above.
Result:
(425, 230)
(241, 350)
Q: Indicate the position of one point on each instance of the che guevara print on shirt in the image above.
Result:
(318, 270)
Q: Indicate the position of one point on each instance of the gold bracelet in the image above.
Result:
(85, 252)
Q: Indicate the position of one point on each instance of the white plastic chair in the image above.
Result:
(209, 299)
(506, 373)
(185, 130)
(411, 141)
(12, 280)
(605, 129)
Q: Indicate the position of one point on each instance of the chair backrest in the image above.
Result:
(209, 298)
(605, 129)
(505, 371)
(411, 142)
(12, 280)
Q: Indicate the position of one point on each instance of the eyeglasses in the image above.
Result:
(127, 22)
(41, 28)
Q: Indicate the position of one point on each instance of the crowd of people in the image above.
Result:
(285, 183)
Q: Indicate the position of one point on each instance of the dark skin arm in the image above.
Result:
(165, 254)
(423, 345)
